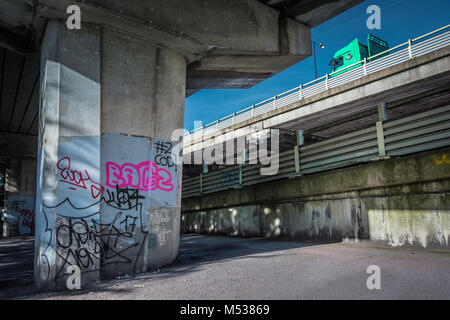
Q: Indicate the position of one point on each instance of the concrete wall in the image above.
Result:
(398, 201)
(302, 219)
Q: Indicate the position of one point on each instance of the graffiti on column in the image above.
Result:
(85, 241)
(163, 156)
(27, 220)
(77, 178)
(144, 176)
(20, 215)
(104, 211)
(163, 212)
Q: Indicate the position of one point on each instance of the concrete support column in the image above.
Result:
(19, 188)
(108, 195)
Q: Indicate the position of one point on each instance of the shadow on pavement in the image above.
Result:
(16, 261)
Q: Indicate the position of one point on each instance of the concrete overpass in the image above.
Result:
(322, 104)
(372, 163)
(98, 105)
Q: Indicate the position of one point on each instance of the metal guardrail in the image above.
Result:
(341, 151)
(423, 131)
(403, 52)
(420, 132)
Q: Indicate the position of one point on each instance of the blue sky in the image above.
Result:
(400, 20)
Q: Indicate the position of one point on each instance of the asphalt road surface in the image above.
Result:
(216, 267)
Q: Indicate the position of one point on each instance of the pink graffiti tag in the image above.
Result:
(77, 178)
(145, 176)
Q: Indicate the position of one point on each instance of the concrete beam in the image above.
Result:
(311, 12)
(227, 44)
(12, 42)
(196, 28)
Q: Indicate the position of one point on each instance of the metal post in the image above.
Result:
(245, 156)
(217, 124)
(365, 66)
(240, 174)
(301, 92)
(253, 111)
(315, 62)
(326, 82)
(410, 48)
(205, 167)
(234, 118)
(201, 183)
(274, 102)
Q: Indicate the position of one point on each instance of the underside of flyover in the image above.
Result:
(81, 107)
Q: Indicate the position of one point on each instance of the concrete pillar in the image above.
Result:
(10, 225)
(12, 176)
(300, 137)
(382, 112)
(108, 196)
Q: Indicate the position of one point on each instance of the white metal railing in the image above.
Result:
(412, 48)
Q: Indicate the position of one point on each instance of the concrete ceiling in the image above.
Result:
(22, 24)
(19, 92)
(308, 12)
(22, 21)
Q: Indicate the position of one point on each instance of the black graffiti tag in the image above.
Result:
(87, 241)
(164, 154)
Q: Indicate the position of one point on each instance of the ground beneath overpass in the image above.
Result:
(16, 262)
(216, 267)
